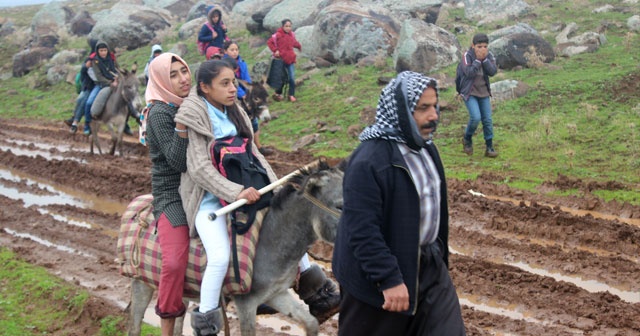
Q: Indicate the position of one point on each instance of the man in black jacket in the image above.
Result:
(391, 253)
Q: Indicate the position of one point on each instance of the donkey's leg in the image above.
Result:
(246, 306)
(94, 135)
(286, 304)
(179, 323)
(140, 297)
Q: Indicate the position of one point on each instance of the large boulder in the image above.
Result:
(81, 24)
(300, 12)
(517, 49)
(179, 8)
(518, 28)
(569, 44)
(130, 26)
(254, 12)
(348, 31)
(424, 47)
(426, 10)
(50, 18)
(634, 23)
(485, 11)
(29, 59)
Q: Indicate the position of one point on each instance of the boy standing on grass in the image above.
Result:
(476, 66)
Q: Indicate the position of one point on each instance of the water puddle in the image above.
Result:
(510, 311)
(572, 211)
(591, 286)
(32, 153)
(48, 243)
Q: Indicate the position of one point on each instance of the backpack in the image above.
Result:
(202, 46)
(232, 156)
(458, 77)
(78, 82)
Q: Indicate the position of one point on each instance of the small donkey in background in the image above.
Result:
(116, 109)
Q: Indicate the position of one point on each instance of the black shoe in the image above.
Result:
(69, 122)
(73, 129)
(127, 130)
(467, 146)
(490, 152)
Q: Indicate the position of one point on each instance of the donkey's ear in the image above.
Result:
(246, 84)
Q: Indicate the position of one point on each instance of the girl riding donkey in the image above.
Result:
(213, 114)
(105, 68)
(169, 83)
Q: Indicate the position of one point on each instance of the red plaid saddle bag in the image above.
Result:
(139, 256)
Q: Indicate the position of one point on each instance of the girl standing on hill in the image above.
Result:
(213, 33)
(169, 83)
(281, 44)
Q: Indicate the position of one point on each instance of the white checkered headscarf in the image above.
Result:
(387, 124)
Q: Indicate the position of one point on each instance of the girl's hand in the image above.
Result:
(214, 34)
(250, 194)
(277, 53)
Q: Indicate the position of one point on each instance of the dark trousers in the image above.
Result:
(438, 312)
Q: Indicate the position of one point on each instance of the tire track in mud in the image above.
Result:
(522, 268)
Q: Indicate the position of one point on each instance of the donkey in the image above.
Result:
(255, 102)
(305, 209)
(116, 110)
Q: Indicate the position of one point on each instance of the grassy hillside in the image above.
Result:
(580, 118)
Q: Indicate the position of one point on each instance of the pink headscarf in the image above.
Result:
(159, 87)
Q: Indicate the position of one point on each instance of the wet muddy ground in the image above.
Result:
(523, 263)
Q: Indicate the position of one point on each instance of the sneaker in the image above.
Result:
(69, 121)
(277, 97)
(292, 99)
(467, 146)
(73, 129)
(87, 130)
(490, 152)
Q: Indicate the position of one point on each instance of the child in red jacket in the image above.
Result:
(281, 44)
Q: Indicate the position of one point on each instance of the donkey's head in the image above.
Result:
(256, 100)
(318, 189)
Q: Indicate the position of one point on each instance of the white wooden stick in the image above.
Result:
(232, 206)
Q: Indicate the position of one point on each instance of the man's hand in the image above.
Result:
(396, 299)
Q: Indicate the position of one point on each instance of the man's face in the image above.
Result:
(425, 113)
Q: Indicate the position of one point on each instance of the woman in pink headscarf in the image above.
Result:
(169, 83)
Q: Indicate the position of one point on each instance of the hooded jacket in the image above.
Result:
(105, 69)
(206, 35)
(201, 175)
(284, 42)
(470, 65)
(154, 48)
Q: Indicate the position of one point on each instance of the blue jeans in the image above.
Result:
(291, 71)
(479, 110)
(81, 101)
(87, 106)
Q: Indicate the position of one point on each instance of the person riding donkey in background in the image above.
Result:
(87, 83)
(169, 83)
(281, 44)
(105, 67)
(212, 113)
(213, 33)
(476, 66)
(391, 251)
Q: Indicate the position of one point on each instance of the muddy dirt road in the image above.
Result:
(523, 263)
